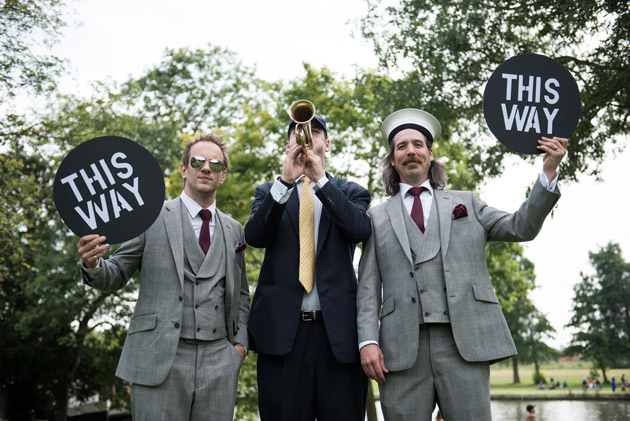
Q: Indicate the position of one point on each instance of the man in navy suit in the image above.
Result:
(303, 318)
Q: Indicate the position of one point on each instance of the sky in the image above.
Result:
(116, 39)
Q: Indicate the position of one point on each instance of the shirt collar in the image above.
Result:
(193, 207)
(404, 188)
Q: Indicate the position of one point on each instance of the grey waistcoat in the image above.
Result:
(204, 285)
(429, 271)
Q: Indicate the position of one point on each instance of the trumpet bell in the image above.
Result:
(302, 112)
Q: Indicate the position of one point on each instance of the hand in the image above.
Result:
(293, 165)
(241, 350)
(91, 249)
(313, 167)
(555, 149)
(373, 362)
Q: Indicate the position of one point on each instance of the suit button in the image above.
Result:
(198, 329)
(216, 307)
(196, 282)
(427, 314)
(422, 291)
(411, 274)
(176, 325)
(446, 313)
(196, 305)
(413, 300)
(417, 268)
(181, 298)
(214, 331)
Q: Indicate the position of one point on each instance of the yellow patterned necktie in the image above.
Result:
(307, 237)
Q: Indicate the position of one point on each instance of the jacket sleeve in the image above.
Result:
(347, 206)
(522, 225)
(368, 293)
(119, 268)
(266, 214)
(241, 336)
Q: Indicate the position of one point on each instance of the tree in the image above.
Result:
(513, 278)
(446, 51)
(601, 308)
(21, 24)
(46, 314)
(529, 329)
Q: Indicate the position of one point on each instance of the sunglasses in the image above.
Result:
(197, 162)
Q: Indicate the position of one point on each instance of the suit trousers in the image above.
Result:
(201, 385)
(440, 376)
(309, 383)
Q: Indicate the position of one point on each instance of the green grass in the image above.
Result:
(571, 372)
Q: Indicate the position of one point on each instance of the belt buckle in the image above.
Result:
(305, 316)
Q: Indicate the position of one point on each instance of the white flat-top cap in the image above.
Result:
(410, 118)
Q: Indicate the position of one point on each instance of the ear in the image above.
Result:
(183, 171)
(223, 177)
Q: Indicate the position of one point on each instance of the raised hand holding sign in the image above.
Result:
(109, 186)
(528, 97)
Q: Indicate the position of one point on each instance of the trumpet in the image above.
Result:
(302, 112)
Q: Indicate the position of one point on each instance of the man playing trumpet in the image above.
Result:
(303, 319)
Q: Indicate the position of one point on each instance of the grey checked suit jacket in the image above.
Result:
(158, 254)
(479, 328)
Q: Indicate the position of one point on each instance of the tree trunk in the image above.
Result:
(61, 411)
(515, 377)
(371, 403)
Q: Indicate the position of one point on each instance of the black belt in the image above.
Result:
(311, 316)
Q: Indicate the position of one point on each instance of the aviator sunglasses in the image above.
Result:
(197, 162)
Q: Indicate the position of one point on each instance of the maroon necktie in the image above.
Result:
(204, 236)
(416, 210)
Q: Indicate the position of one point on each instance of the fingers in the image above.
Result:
(91, 248)
(241, 350)
(555, 146)
(373, 363)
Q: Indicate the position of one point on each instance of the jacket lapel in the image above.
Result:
(444, 203)
(393, 207)
(229, 244)
(175, 235)
(293, 211)
(325, 221)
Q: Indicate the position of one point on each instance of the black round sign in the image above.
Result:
(530, 96)
(109, 186)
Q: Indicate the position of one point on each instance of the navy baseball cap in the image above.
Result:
(318, 118)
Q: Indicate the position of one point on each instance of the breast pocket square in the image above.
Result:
(240, 247)
(460, 211)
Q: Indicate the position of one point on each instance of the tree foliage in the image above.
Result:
(601, 307)
(513, 279)
(22, 24)
(446, 51)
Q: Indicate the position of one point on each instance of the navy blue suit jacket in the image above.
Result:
(276, 306)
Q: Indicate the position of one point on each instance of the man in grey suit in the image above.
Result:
(429, 322)
(188, 333)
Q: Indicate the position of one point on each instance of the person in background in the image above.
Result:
(531, 413)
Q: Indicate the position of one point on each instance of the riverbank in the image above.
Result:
(502, 386)
(565, 396)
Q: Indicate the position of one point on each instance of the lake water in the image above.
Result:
(562, 410)
(557, 410)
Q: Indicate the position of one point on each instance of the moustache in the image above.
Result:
(412, 159)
